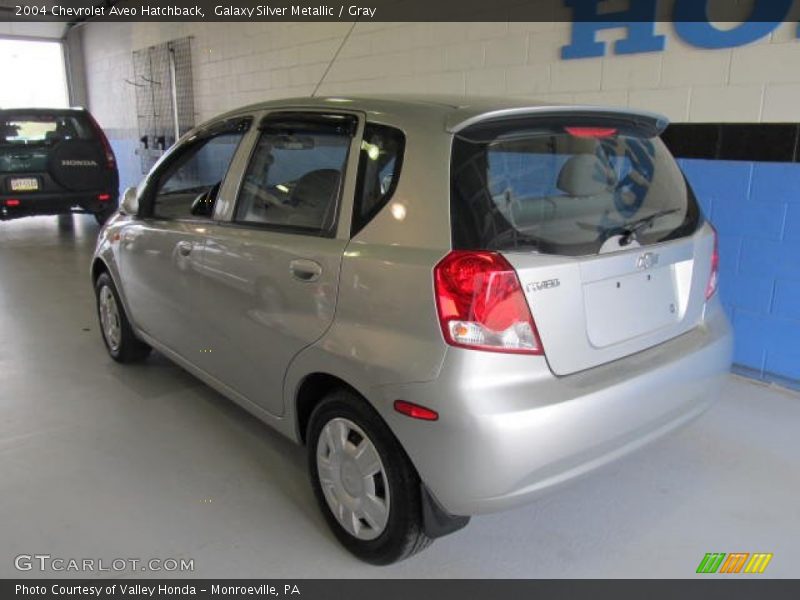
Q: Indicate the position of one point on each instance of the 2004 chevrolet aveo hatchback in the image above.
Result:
(454, 304)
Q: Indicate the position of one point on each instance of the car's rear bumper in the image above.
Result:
(508, 429)
(30, 204)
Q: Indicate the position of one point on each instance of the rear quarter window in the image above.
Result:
(379, 163)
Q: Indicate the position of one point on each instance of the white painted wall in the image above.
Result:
(240, 63)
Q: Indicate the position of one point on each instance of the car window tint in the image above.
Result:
(44, 129)
(189, 186)
(294, 179)
(379, 166)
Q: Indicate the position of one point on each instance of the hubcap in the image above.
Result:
(109, 318)
(353, 479)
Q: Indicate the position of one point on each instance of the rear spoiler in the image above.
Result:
(652, 123)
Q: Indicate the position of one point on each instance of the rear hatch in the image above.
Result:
(593, 213)
(51, 151)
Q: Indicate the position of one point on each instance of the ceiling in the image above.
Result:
(11, 26)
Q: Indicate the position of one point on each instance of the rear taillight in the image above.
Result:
(111, 161)
(713, 279)
(481, 304)
(12, 202)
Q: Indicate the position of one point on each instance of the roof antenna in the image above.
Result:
(335, 56)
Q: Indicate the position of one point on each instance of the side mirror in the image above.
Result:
(130, 202)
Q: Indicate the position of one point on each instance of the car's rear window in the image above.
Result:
(562, 189)
(43, 129)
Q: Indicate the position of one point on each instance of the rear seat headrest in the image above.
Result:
(585, 175)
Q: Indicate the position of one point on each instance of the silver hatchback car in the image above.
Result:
(455, 304)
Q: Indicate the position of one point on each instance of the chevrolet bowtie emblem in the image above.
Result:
(647, 260)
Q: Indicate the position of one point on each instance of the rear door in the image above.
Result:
(273, 270)
(599, 223)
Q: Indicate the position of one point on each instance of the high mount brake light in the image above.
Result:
(591, 132)
(481, 304)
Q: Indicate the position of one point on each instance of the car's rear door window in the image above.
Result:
(561, 189)
(295, 175)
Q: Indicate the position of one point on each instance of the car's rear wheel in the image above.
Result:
(367, 489)
(121, 342)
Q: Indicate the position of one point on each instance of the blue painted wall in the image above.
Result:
(755, 207)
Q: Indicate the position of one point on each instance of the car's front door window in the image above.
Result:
(188, 187)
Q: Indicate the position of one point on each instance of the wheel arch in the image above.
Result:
(311, 390)
(99, 267)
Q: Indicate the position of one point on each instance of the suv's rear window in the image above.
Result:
(565, 190)
(42, 129)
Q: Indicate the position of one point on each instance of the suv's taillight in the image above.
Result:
(111, 161)
(713, 279)
(481, 304)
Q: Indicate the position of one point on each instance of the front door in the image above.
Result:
(161, 251)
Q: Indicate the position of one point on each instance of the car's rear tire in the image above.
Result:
(118, 335)
(366, 487)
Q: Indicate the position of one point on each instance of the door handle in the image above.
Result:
(185, 248)
(304, 269)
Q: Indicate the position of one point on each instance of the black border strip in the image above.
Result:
(409, 10)
(729, 587)
(762, 142)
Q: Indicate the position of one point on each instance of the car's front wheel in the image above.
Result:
(367, 489)
(118, 335)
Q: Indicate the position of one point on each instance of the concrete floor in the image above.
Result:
(98, 460)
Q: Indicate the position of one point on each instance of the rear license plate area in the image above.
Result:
(624, 307)
(24, 184)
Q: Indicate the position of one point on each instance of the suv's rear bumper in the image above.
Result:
(31, 204)
(508, 429)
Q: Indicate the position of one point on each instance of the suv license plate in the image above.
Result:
(24, 184)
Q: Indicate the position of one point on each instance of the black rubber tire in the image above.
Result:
(404, 535)
(102, 217)
(131, 348)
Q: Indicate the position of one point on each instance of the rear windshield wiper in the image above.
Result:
(630, 229)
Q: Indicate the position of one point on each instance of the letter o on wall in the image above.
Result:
(691, 23)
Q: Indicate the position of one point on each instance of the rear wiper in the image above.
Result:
(630, 229)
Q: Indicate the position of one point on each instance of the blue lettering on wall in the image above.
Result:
(691, 23)
(639, 20)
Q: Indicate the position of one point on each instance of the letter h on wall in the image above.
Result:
(638, 19)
